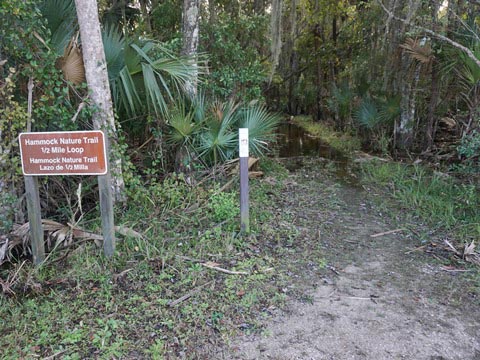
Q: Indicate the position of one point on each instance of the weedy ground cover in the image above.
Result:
(446, 206)
(439, 200)
(184, 286)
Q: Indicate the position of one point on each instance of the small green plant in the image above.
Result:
(341, 103)
(157, 349)
(469, 152)
(224, 206)
(376, 117)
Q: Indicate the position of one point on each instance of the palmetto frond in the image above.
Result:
(261, 126)
(218, 139)
(147, 84)
(367, 114)
(182, 124)
(389, 109)
(114, 48)
(61, 21)
(419, 50)
(71, 63)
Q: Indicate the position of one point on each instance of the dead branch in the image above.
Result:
(214, 266)
(455, 44)
(387, 233)
(416, 249)
(187, 295)
(126, 231)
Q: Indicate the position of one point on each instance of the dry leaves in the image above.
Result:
(468, 253)
(57, 235)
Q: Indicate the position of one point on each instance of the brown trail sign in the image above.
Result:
(63, 153)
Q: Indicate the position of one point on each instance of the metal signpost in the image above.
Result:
(60, 153)
(244, 206)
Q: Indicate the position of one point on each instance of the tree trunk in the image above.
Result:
(191, 34)
(404, 131)
(434, 86)
(292, 98)
(212, 14)
(276, 34)
(334, 40)
(97, 80)
(146, 15)
(434, 96)
(259, 7)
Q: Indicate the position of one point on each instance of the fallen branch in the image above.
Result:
(455, 270)
(214, 266)
(187, 295)
(54, 356)
(386, 233)
(416, 249)
(331, 268)
(126, 231)
(452, 248)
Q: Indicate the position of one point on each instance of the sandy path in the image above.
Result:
(378, 301)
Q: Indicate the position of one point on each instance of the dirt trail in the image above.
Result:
(375, 300)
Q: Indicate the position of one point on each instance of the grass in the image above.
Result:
(446, 205)
(343, 142)
(86, 306)
(442, 202)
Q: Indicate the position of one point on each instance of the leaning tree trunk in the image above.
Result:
(191, 34)
(97, 80)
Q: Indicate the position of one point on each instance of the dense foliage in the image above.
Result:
(395, 74)
(398, 77)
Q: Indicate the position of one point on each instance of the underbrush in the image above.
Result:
(179, 285)
(439, 200)
(343, 142)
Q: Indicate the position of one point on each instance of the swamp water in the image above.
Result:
(295, 146)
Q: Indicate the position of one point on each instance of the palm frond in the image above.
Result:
(125, 92)
(218, 140)
(367, 114)
(261, 126)
(71, 63)
(420, 52)
(389, 109)
(158, 76)
(155, 98)
(61, 18)
(114, 47)
(181, 121)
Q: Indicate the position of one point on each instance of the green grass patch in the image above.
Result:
(82, 305)
(343, 142)
(439, 200)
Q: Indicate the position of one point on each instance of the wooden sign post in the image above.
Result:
(63, 153)
(244, 201)
(35, 219)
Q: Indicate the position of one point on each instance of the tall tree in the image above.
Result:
(103, 119)
(97, 80)
(190, 36)
(276, 34)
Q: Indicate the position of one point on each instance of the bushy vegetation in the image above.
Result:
(441, 201)
(178, 227)
(163, 291)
